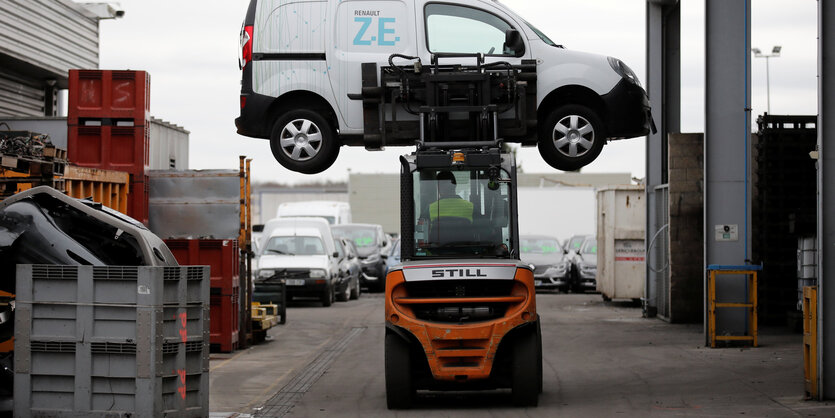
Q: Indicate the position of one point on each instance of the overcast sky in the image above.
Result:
(190, 48)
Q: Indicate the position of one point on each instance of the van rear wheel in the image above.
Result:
(527, 379)
(571, 137)
(399, 389)
(304, 141)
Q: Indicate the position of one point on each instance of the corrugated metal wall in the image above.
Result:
(41, 40)
(19, 96)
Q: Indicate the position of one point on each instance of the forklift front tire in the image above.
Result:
(526, 372)
(399, 389)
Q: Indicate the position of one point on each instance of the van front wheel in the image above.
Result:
(571, 137)
(304, 141)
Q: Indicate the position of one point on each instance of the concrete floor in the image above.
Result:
(601, 359)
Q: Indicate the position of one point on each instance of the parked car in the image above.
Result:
(585, 266)
(546, 256)
(370, 242)
(394, 255)
(574, 244)
(300, 62)
(301, 256)
(335, 213)
(348, 285)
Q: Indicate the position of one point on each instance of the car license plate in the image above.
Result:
(295, 282)
(537, 282)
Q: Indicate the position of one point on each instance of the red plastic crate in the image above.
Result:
(119, 148)
(108, 94)
(138, 198)
(222, 256)
(224, 321)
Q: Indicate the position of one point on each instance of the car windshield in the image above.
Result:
(541, 35)
(461, 213)
(590, 247)
(540, 246)
(576, 242)
(361, 236)
(294, 245)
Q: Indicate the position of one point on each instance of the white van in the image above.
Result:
(336, 213)
(302, 59)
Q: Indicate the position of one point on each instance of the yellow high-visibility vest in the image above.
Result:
(454, 206)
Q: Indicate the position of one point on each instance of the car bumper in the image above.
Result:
(587, 281)
(550, 282)
(628, 112)
(312, 288)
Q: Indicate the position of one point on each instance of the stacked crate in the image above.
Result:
(224, 259)
(28, 159)
(784, 200)
(111, 341)
(109, 127)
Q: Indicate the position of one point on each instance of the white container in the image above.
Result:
(807, 257)
(621, 248)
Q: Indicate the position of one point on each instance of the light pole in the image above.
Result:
(775, 52)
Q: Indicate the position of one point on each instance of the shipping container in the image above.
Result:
(138, 198)
(621, 250)
(225, 323)
(108, 97)
(120, 148)
(112, 341)
(223, 257)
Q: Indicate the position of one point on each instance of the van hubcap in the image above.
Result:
(573, 136)
(301, 139)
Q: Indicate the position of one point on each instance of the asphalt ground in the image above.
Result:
(601, 359)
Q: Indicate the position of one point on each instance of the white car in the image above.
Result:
(302, 70)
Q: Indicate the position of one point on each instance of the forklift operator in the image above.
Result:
(449, 204)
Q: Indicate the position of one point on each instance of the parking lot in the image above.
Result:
(600, 359)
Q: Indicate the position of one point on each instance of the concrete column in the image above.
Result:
(664, 88)
(826, 198)
(727, 148)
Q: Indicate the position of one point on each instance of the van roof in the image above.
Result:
(296, 232)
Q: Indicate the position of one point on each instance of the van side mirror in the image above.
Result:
(513, 43)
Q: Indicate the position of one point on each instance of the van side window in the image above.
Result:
(459, 29)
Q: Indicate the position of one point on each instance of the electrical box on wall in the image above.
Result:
(726, 232)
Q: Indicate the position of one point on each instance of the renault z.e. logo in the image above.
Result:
(459, 273)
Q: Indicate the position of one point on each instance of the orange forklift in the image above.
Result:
(461, 308)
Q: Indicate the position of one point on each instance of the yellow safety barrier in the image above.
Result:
(810, 341)
(750, 272)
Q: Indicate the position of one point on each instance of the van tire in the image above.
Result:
(356, 291)
(571, 129)
(308, 136)
(526, 376)
(399, 389)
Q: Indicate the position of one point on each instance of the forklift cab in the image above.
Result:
(462, 205)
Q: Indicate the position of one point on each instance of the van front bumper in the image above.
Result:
(628, 112)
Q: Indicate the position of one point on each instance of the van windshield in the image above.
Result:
(294, 245)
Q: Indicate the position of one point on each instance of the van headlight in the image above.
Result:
(623, 70)
(557, 269)
(373, 258)
(317, 273)
(266, 273)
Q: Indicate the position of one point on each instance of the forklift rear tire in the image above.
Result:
(526, 372)
(571, 137)
(539, 352)
(304, 141)
(399, 390)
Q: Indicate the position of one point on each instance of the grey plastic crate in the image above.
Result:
(78, 356)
